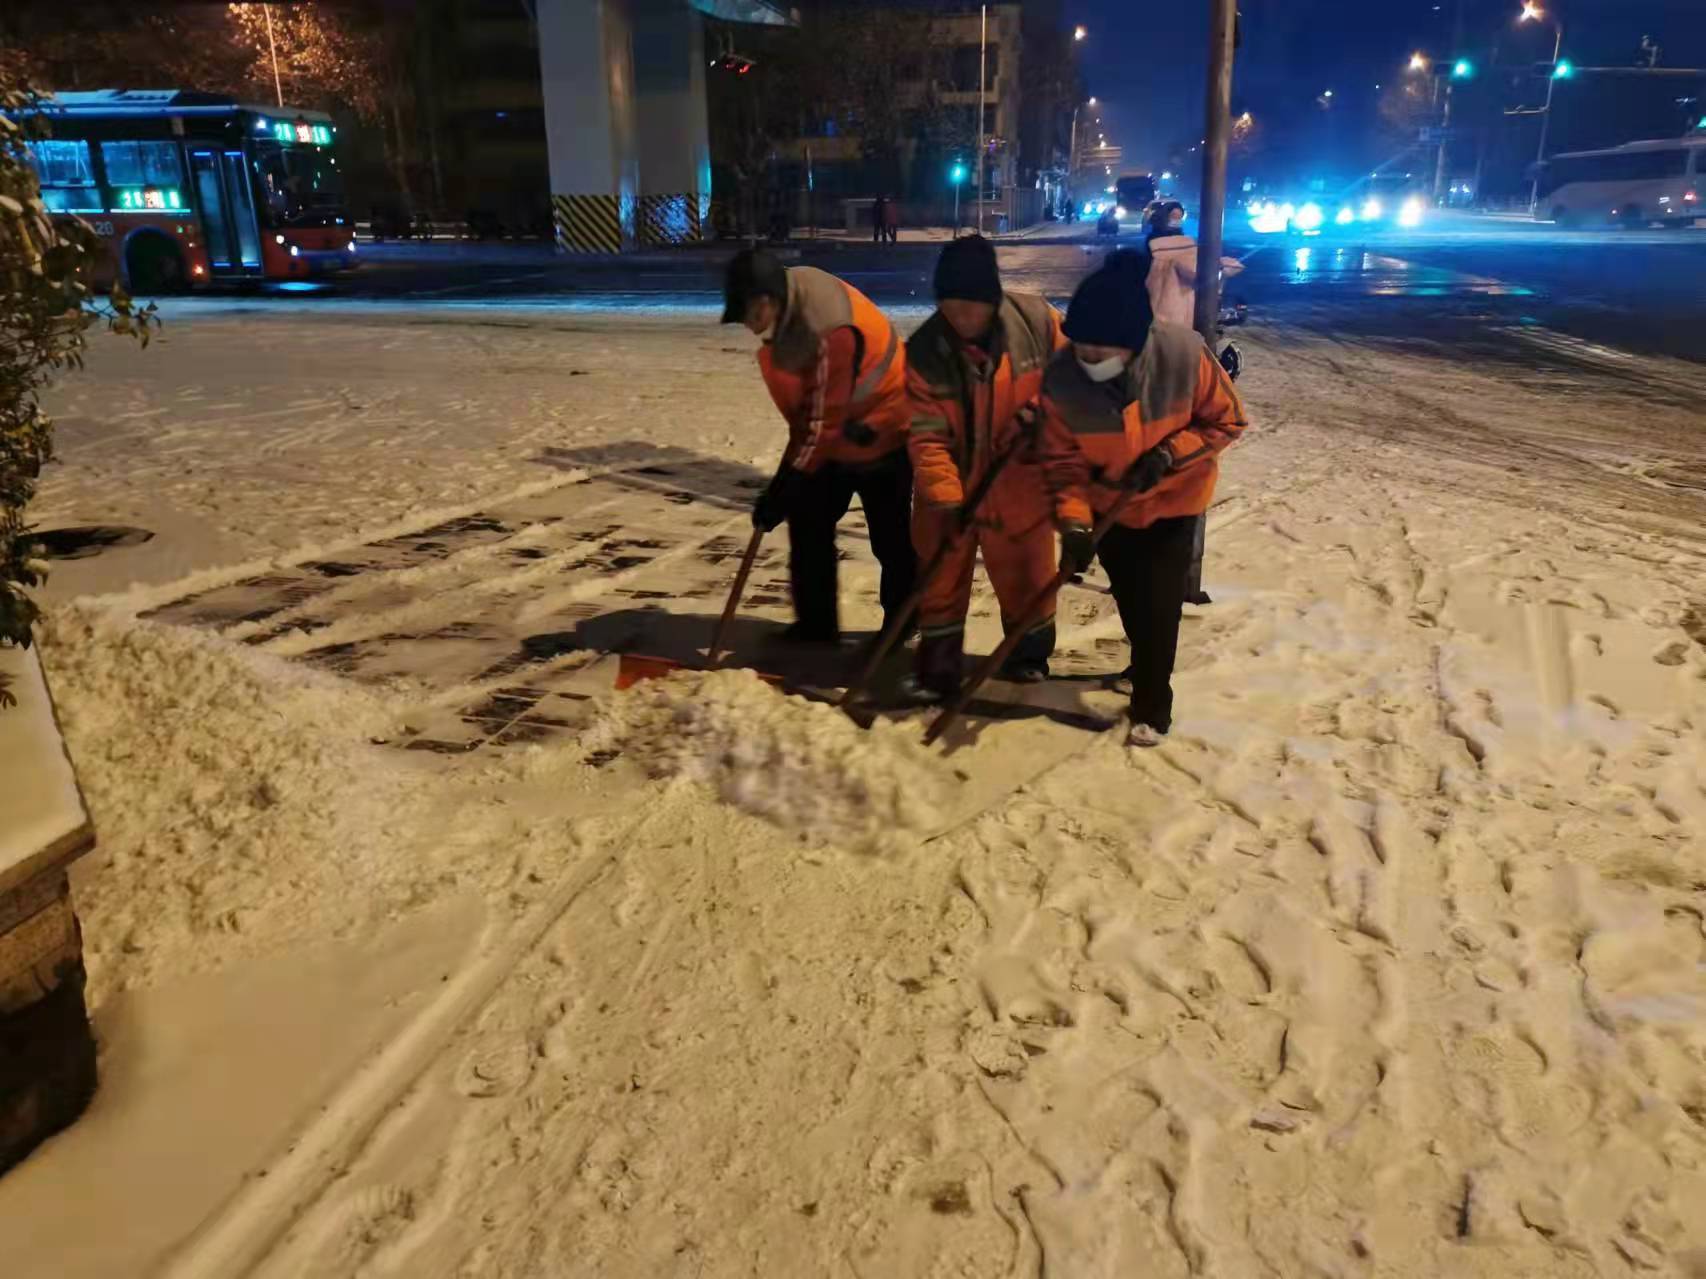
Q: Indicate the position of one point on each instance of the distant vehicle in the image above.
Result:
(1320, 206)
(1632, 185)
(1135, 192)
(1109, 222)
(188, 188)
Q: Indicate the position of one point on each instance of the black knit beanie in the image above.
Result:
(1111, 306)
(967, 270)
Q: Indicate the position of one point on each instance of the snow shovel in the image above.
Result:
(1021, 627)
(904, 615)
(634, 667)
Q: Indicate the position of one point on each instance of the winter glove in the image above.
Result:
(771, 508)
(1077, 549)
(1149, 469)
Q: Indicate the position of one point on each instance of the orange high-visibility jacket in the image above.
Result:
(836, 370)
(1175, 392)
(960, 421)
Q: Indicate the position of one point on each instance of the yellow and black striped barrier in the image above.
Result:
(673, 219)
(592, 223)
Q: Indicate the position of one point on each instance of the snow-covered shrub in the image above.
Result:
(46, 310)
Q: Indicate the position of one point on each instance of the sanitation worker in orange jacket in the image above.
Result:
(1135, 417)
(973, 374)
(835, 368)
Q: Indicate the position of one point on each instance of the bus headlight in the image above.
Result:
(1410, 213)
(1345, 217)
(1308, 218)
(1119, 210)
(295, 252)
(278, 239)
(1370, 209)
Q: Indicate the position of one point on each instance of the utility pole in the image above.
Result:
(1444, 137)
(982, 67)
(1223, 23)
(277, 85)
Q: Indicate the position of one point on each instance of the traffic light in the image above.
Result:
(1563, 69)
(1462, 69)
(957, 174)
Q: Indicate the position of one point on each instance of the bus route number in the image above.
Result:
(104, 229)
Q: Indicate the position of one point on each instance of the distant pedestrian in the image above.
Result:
(891, 220)
(879, 219)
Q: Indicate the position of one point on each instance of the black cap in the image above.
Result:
(1111, 306)
(967, 270)
(752, 273)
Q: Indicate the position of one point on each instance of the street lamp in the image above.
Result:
(1078, 33)
(1532, 12)
(1418, 62)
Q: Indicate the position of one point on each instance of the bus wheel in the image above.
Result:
(1633, 217)
(152, 264)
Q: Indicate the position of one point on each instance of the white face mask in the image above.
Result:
(1103, 370)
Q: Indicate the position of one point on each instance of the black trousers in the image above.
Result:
(816, 504)
(1147, 568)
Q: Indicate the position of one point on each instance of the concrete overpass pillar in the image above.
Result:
(625, 118)
(670, 122)
(586, 71)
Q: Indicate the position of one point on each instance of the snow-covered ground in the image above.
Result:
(1390, 962)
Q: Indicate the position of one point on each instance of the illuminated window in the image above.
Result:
(66, 177)
(142, 164)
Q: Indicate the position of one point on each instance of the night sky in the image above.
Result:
(1145, 62)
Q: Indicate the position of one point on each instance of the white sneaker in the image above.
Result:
(1144, 735)
(1121, 684)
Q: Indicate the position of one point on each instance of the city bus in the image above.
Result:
(189, 189)
(1632, 185)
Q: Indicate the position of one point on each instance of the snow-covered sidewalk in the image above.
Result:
(1390, 961)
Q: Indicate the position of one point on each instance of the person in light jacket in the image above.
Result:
(1173, 297)
(1173, 266)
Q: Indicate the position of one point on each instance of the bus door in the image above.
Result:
(227, 211)
(242, 197)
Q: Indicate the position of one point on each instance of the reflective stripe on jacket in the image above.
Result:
(965, 406)
(1174, 392)
(837, 372)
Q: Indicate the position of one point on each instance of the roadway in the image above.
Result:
(1462, 280)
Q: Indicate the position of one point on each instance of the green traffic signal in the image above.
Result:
(1462, 69)
(1563, 69)
(957, 173)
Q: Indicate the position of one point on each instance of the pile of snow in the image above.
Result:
(237, 800)
(800, 764)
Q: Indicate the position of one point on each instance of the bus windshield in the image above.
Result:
(298, 186)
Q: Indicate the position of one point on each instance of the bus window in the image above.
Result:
(66, 177)
(297, 186)
(143, 175)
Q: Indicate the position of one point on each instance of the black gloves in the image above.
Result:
(771, 508)
(1077, 549)
(1149, 469)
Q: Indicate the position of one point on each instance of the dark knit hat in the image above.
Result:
(752, 273)
(967, 270)
(1111, 305)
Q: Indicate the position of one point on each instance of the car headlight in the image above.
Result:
(1345, 216)
(1410, 213)
(1308, 218)
(1371, 209)
(1119, 210)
